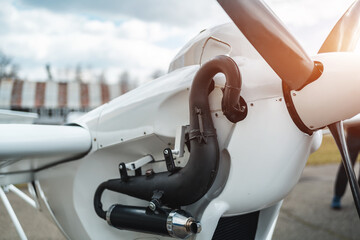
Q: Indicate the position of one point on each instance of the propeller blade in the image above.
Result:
(337, 130)
(343, 38)
(345, 34)
(271, 39)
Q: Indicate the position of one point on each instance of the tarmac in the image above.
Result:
(305, 214)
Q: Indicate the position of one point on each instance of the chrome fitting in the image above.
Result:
(108, 214)
(180, 226)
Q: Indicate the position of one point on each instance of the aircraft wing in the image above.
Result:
(26, 148)
(10, 116)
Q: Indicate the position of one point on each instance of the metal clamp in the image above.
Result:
(139, 163)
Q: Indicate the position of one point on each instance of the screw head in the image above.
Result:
(152, 206)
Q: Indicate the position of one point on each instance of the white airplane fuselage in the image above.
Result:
(261, 157)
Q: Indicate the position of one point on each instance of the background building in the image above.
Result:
(53, 101)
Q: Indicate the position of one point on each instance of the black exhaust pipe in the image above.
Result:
(187, 185)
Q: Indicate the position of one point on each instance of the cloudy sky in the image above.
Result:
(139, 36)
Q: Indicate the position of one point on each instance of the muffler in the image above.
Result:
(176, 223)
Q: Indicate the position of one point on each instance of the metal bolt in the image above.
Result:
(166, 151)
(152, 206)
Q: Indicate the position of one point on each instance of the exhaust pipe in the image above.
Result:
(187, 185)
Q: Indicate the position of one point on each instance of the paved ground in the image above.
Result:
(36, 224)
(305, 214)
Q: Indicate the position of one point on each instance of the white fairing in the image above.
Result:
(261, 157)
(332, 97)
(354, 121)
(220, 38)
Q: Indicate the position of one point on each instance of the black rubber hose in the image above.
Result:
(192, 182)
(97, 200)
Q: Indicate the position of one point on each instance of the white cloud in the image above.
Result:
(130, 35)
(170, 12)
(37, 36)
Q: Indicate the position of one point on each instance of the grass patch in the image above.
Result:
(327, 153)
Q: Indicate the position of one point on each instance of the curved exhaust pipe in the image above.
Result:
(187, 185)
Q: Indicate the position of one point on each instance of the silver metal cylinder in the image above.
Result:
(181, 226)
